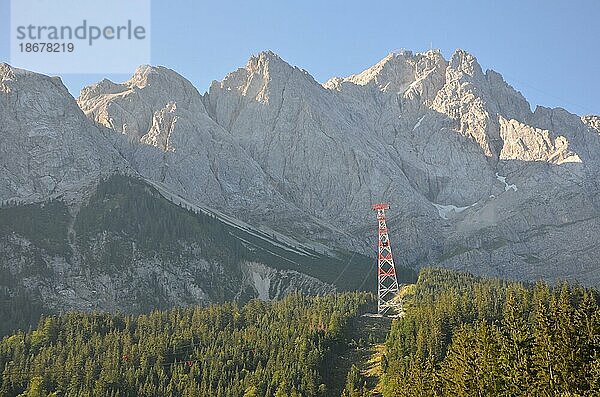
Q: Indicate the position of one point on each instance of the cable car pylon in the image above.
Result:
(387, 282)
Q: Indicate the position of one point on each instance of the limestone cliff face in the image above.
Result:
(165, 132)
(47, 146)
(457, 151)
(524, 142)
(305, 140)
(475, 178)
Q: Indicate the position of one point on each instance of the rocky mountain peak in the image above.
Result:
(267, 62)
(47, 145)
(12, 78)
(104, 86)
(489, 87)
(464, 62)
(396, 72)
(262, 71)
(265, 80)
(151, 100)
(148, 76)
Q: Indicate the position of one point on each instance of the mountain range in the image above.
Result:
(282, 170)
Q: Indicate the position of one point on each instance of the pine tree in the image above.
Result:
(516, 342)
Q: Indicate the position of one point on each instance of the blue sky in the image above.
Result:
(548, 49)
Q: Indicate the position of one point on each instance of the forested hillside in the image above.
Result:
(466, 336)
(459, 336)
(259, 349)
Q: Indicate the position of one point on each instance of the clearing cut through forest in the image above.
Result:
(363, 347)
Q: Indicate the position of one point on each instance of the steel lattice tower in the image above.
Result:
(387, 283)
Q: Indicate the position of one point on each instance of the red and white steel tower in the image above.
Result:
(387, 283)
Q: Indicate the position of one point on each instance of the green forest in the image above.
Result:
(459, 335)
(259, 349)
(468, 336)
